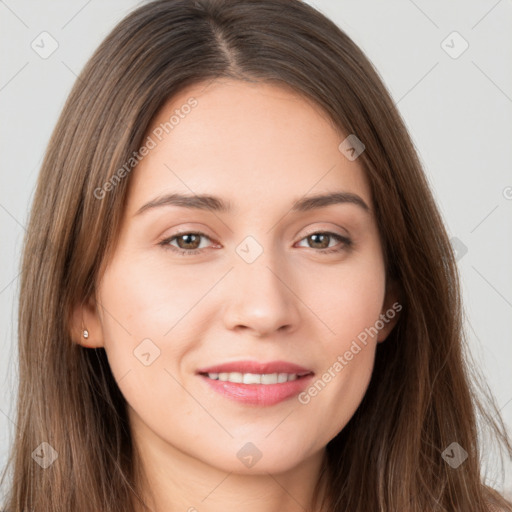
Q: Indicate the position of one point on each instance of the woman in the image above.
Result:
(237, 290)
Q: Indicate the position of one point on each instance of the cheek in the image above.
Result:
(143, 321)
(338, 389)
(351, 309)
(145, 299)
(347, 297)
(143, 313)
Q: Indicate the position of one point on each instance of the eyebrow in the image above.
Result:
(216, 204)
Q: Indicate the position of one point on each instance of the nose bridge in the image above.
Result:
(262, 299)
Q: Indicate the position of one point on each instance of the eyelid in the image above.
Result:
(317, 229)
(310, 231)
(187, 232)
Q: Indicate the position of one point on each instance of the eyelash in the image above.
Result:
(190, 252)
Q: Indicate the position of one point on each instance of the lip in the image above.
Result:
(255, 367)
(258, 394)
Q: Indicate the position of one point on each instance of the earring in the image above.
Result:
(86, 333)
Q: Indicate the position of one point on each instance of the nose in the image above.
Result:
(260, 297)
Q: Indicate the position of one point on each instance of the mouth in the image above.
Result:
(255, 378)
(253, 383)
(256, 368)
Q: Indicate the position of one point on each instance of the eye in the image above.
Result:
(189, 242)
(321, 241)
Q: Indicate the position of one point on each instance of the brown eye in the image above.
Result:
(187, 243)
(321, 241)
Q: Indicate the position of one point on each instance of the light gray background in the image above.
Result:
(458, 111)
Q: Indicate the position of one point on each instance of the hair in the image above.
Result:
(422, 395)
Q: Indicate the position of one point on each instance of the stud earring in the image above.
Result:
(86, 333)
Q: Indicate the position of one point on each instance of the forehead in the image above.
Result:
(249, 142)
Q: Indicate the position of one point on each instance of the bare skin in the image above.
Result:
(261, 147)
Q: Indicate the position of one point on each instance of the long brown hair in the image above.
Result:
(422, 396)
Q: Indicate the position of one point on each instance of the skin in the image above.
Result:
(261, 147)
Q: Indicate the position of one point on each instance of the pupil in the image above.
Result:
(187, 240)
(320, 235)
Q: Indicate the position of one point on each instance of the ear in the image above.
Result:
(85, 317)
(390, 310)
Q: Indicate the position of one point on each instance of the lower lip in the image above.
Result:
(259, 394)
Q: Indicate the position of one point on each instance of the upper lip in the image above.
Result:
(256, 367)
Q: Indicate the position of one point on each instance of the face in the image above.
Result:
(260, 280)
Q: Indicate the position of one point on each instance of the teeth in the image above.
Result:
(253, 378)
(250, 378)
